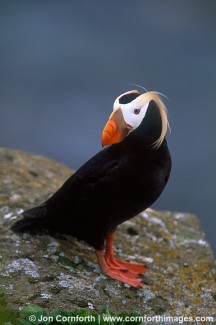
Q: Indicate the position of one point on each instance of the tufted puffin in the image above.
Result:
(116, 184)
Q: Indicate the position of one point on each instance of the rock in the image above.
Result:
(63, 272)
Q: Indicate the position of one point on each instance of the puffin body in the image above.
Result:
(120, 181)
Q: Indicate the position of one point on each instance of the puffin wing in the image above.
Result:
(89, 180)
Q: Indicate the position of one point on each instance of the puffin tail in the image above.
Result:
(33, 220)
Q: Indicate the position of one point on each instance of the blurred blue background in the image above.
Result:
(62, 64)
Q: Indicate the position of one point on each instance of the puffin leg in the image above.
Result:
(136, 268)
(116, 272)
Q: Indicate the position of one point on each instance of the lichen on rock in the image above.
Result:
(63, 272)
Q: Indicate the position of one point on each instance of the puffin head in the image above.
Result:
(132, 109)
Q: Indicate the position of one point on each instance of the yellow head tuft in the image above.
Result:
(153, 95)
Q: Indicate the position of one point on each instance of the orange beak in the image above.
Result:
(115, 130)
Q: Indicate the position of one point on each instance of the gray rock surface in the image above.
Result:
(63, 273)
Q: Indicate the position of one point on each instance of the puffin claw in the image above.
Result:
(133, 267)
(122, 277)
(117, 272)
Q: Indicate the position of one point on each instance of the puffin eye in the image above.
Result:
(136, 111)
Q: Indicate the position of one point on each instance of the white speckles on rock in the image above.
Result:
(7, 181)
(154, 220)
(8, 215)
(7, 288)
(45, 256)
(137, 257)
(90, 264)
(77, 260)
(24, 265)
(148, 259)
(46, 295)
(19, 211)
(66, 281)
(15, 198)
(202, 242)
(127, 285)
(180, 216)
(54, 258)
(53, 243)
(147, 294)
(112, 291)
(199, 242)
(130, 223)
(90, 305)
(75, 286)
(99, 278)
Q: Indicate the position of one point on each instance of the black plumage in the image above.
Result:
(112, 187)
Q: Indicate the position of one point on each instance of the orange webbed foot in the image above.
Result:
(119, 273)
(120, 270)
(133, 267)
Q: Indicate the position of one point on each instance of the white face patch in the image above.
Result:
(133, 112)
(134, 107)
